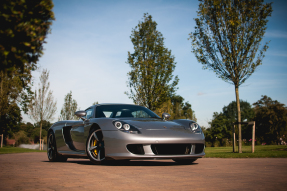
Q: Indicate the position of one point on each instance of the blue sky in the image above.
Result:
(87, 49)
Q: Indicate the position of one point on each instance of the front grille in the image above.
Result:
(171, 149)
(198, 148)
(136, 149)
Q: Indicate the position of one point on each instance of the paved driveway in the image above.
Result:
(32, 171)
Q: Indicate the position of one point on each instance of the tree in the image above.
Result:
(10, 121)
(28, 128)
(45, 125)
(10, 98)
(247, 114)
(270, 119)
(24, 27)
(218, 129)
(177, 108)
(151, 65)
(221, 126)
(96, 102)
(187, 112)
(69, 108)
(42, 106)
(230, 111)
(227, 37)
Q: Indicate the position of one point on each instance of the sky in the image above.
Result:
(87, 52)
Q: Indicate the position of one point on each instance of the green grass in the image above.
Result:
(8, 150)
(261, 151)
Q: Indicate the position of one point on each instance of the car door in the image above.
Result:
(77, 131)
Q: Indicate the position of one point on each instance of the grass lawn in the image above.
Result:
(261, 151)
(7, 150)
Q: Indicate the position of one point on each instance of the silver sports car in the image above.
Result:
(125, 132)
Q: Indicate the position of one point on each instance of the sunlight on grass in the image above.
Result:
(7, 150)
(261, 151)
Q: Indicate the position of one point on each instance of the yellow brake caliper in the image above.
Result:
(94, 144)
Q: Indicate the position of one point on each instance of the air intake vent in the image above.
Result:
(136, 149)
(198, 148)
(171, 149)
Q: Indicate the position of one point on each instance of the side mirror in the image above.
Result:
(80, 114)
(165, 116)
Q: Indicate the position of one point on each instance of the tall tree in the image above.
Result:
(42, 106)
(69, 108)
(151, 65)
(23, 29)
(227, 37)
(270, 119)
(12, 96)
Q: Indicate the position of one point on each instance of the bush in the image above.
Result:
(21, 138)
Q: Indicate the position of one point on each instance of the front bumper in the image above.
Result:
(116, 145)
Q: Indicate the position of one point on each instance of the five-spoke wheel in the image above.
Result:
(96, 147)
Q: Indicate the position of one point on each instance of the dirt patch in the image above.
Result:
(32, 171)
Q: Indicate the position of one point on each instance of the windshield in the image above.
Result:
(124, 111)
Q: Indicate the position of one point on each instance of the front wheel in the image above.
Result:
(95, 147)
(184, 161)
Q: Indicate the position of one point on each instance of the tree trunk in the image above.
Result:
(238, 119)
(1, 94)
(40, 148)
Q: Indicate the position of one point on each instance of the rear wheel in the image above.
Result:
(52, 149)
(184, 161)
(95, 147)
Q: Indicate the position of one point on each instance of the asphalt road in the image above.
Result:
(32, 171)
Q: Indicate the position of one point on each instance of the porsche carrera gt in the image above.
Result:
(125, 132)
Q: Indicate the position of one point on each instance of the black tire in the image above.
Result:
(95, 147)
(184, 161)
(52, 152)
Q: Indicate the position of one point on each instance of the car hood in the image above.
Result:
(157, 126)
(160, 129)
(152, 124)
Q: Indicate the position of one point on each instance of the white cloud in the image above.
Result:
(276, 34)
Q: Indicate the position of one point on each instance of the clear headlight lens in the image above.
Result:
(194, 126)
(127, 127)
(118, 125)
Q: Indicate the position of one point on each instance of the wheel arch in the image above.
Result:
(94, 126)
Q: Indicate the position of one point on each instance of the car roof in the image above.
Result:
(114, 104)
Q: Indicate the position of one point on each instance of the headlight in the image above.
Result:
(125, 127)
(118, 125)
(194, 127)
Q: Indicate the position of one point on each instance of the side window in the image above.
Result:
(140, 114)
(89, 113)
(118, 114)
